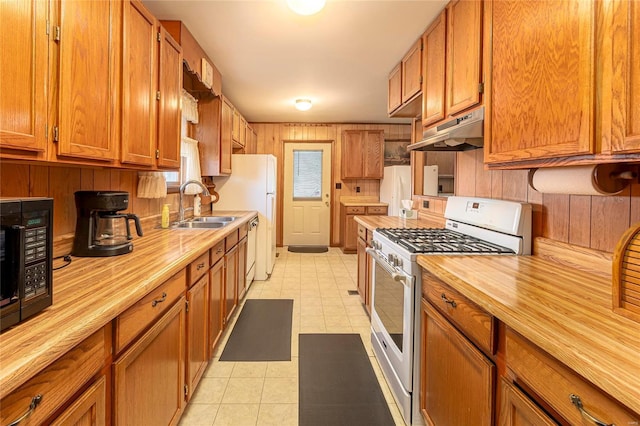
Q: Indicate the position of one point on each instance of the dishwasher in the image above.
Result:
(251, 251)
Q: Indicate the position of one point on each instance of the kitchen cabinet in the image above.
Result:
(169, 110)
(216, 301)
(394, 89)
(230, 283)
(23, 104)
(349, 227)
(364, 267)
(59, 382)
(242, 268)
(434, 71)
(198, 302)
(362, 154)
(410, 82)
(149, 385)
(457, 379)
(89, 409)
(87, 126)
(214, 136)
(517, 409)
(226, 136)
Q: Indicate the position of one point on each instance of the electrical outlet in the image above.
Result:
(338, 185)
(425, 204)
(357, 189)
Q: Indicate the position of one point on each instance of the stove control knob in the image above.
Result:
(397, 262)
(391, 258)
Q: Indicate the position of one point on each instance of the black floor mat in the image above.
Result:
(337, 383)
(262, 332)
(308, 249)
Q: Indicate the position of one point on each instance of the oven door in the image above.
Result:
(392, 312)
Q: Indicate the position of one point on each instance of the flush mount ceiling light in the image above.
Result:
(303, 104)
(306, 7)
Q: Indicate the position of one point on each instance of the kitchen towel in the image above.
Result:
(337, 383)
(262, 332)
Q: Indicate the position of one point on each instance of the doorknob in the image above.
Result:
(327, 203)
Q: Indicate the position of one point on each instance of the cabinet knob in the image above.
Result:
(157, 301)
(35, 401)
(445, 299)
(575, 400)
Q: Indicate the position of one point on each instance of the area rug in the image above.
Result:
(262, 332)
(308, 249)
(337, 383)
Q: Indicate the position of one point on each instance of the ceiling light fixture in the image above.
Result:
(306, 7)
(303, 104)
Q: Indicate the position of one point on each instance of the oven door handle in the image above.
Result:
(394, 274)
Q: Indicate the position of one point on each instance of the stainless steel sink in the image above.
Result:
(213, 219)
(200, 225)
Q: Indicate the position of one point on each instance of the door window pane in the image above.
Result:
(307, 175)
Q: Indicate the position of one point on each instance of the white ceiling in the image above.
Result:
(339, 58)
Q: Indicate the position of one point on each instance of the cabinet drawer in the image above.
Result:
(376, 210)
(362, 232)
(554, 382)
(474, 322)
(355, 210)
(243, 231)
(58, 382)
(232, 240)
(216, 253)
(198, 268)
(90, 405)
(135, 319)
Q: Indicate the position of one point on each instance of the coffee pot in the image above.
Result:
(100, 229)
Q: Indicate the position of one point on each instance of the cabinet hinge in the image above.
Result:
(157, 154)
(187, 305)
(46, 130)
(56, 35)
(158, 95)
(420, 79)
(186, 391)
(48, 29)
(159, 36)
(481, 88)
(56, 133)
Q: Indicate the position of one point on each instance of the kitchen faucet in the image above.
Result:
(181, 209)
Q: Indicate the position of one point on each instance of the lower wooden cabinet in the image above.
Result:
(242, 268)
(89, 409)
(364, 273)
(216, 300)
(457, 379)
(230, 283)
(197, 332)
(516, 409)
(349, 226)
(149, 377)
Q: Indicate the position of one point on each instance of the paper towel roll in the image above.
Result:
(600, 179)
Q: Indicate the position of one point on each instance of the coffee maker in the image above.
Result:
(100, 229)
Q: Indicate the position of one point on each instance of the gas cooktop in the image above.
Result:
(428, 240)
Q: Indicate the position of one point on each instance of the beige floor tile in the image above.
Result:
(249, 369)
(334, 311)
(237, 415)
(337, 320)
(199, 415)
(278, 390)
(283, 368)
(311, 310)
(210, 390)
(332, 301)
(243, 391)
(313, 329)
(278, 415)
(312, 320)
(359, 321)
(219, 368)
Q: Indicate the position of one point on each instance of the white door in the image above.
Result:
(307, 189)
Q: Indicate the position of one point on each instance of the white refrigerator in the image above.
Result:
(252, 186)
(395, 186)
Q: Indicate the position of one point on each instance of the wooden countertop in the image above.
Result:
(364, 204)
(563, 310)
(90, 292)
(373, 222)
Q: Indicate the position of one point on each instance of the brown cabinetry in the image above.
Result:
(362, 154)
(197, 357)
(349, 226)
(364, 267)
(216, 300)
(23, 104)
(516, 409)
(434, 71)
(242, 268)
(230, 283)
(89, 409)
(169, 111)
(394, 90)
(406, 79)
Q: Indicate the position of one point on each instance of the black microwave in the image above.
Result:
(26, 254)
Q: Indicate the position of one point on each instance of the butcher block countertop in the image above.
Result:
(91, 292)
(373, 222)
(565, 311)
(364, 204)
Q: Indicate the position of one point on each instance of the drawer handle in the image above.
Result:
(35, 401)
(445, 299)
(162, 299)
(220, 250)
(200, 266)
(575, 400)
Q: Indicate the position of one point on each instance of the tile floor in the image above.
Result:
(266, 393)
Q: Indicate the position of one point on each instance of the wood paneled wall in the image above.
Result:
(270, 141)
(60, 183)
(596, 222)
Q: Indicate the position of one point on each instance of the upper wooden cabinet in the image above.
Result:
(23, 103)
(214, 136)
(362, 154)
(405, 84)
(226, 136)
(394, 99)
(169, 111)
(434, 71)
(89, 49)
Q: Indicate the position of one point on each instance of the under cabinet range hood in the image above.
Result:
(459, 134)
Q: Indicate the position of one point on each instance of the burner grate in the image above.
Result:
(427, 240)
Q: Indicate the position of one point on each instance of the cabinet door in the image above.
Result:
(88, 80)
(516, 409)
(547, 110)
(395, 89)
(352, 152)
(89, 409)
(236, 122)
(216, 295)
(350, 233)
(139, 84)
(230, 283)
(433, 88)
(412, 71)
(226, 129)
(169, 111)
(457, 380)
(362, 272)
(625, 136)
(149, 377)
(242, 268)
(23, 67)
(373, 161)
(464, 55)
(197, 332)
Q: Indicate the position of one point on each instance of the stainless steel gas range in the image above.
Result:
(474, 226)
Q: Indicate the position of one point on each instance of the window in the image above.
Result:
(307, 175)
